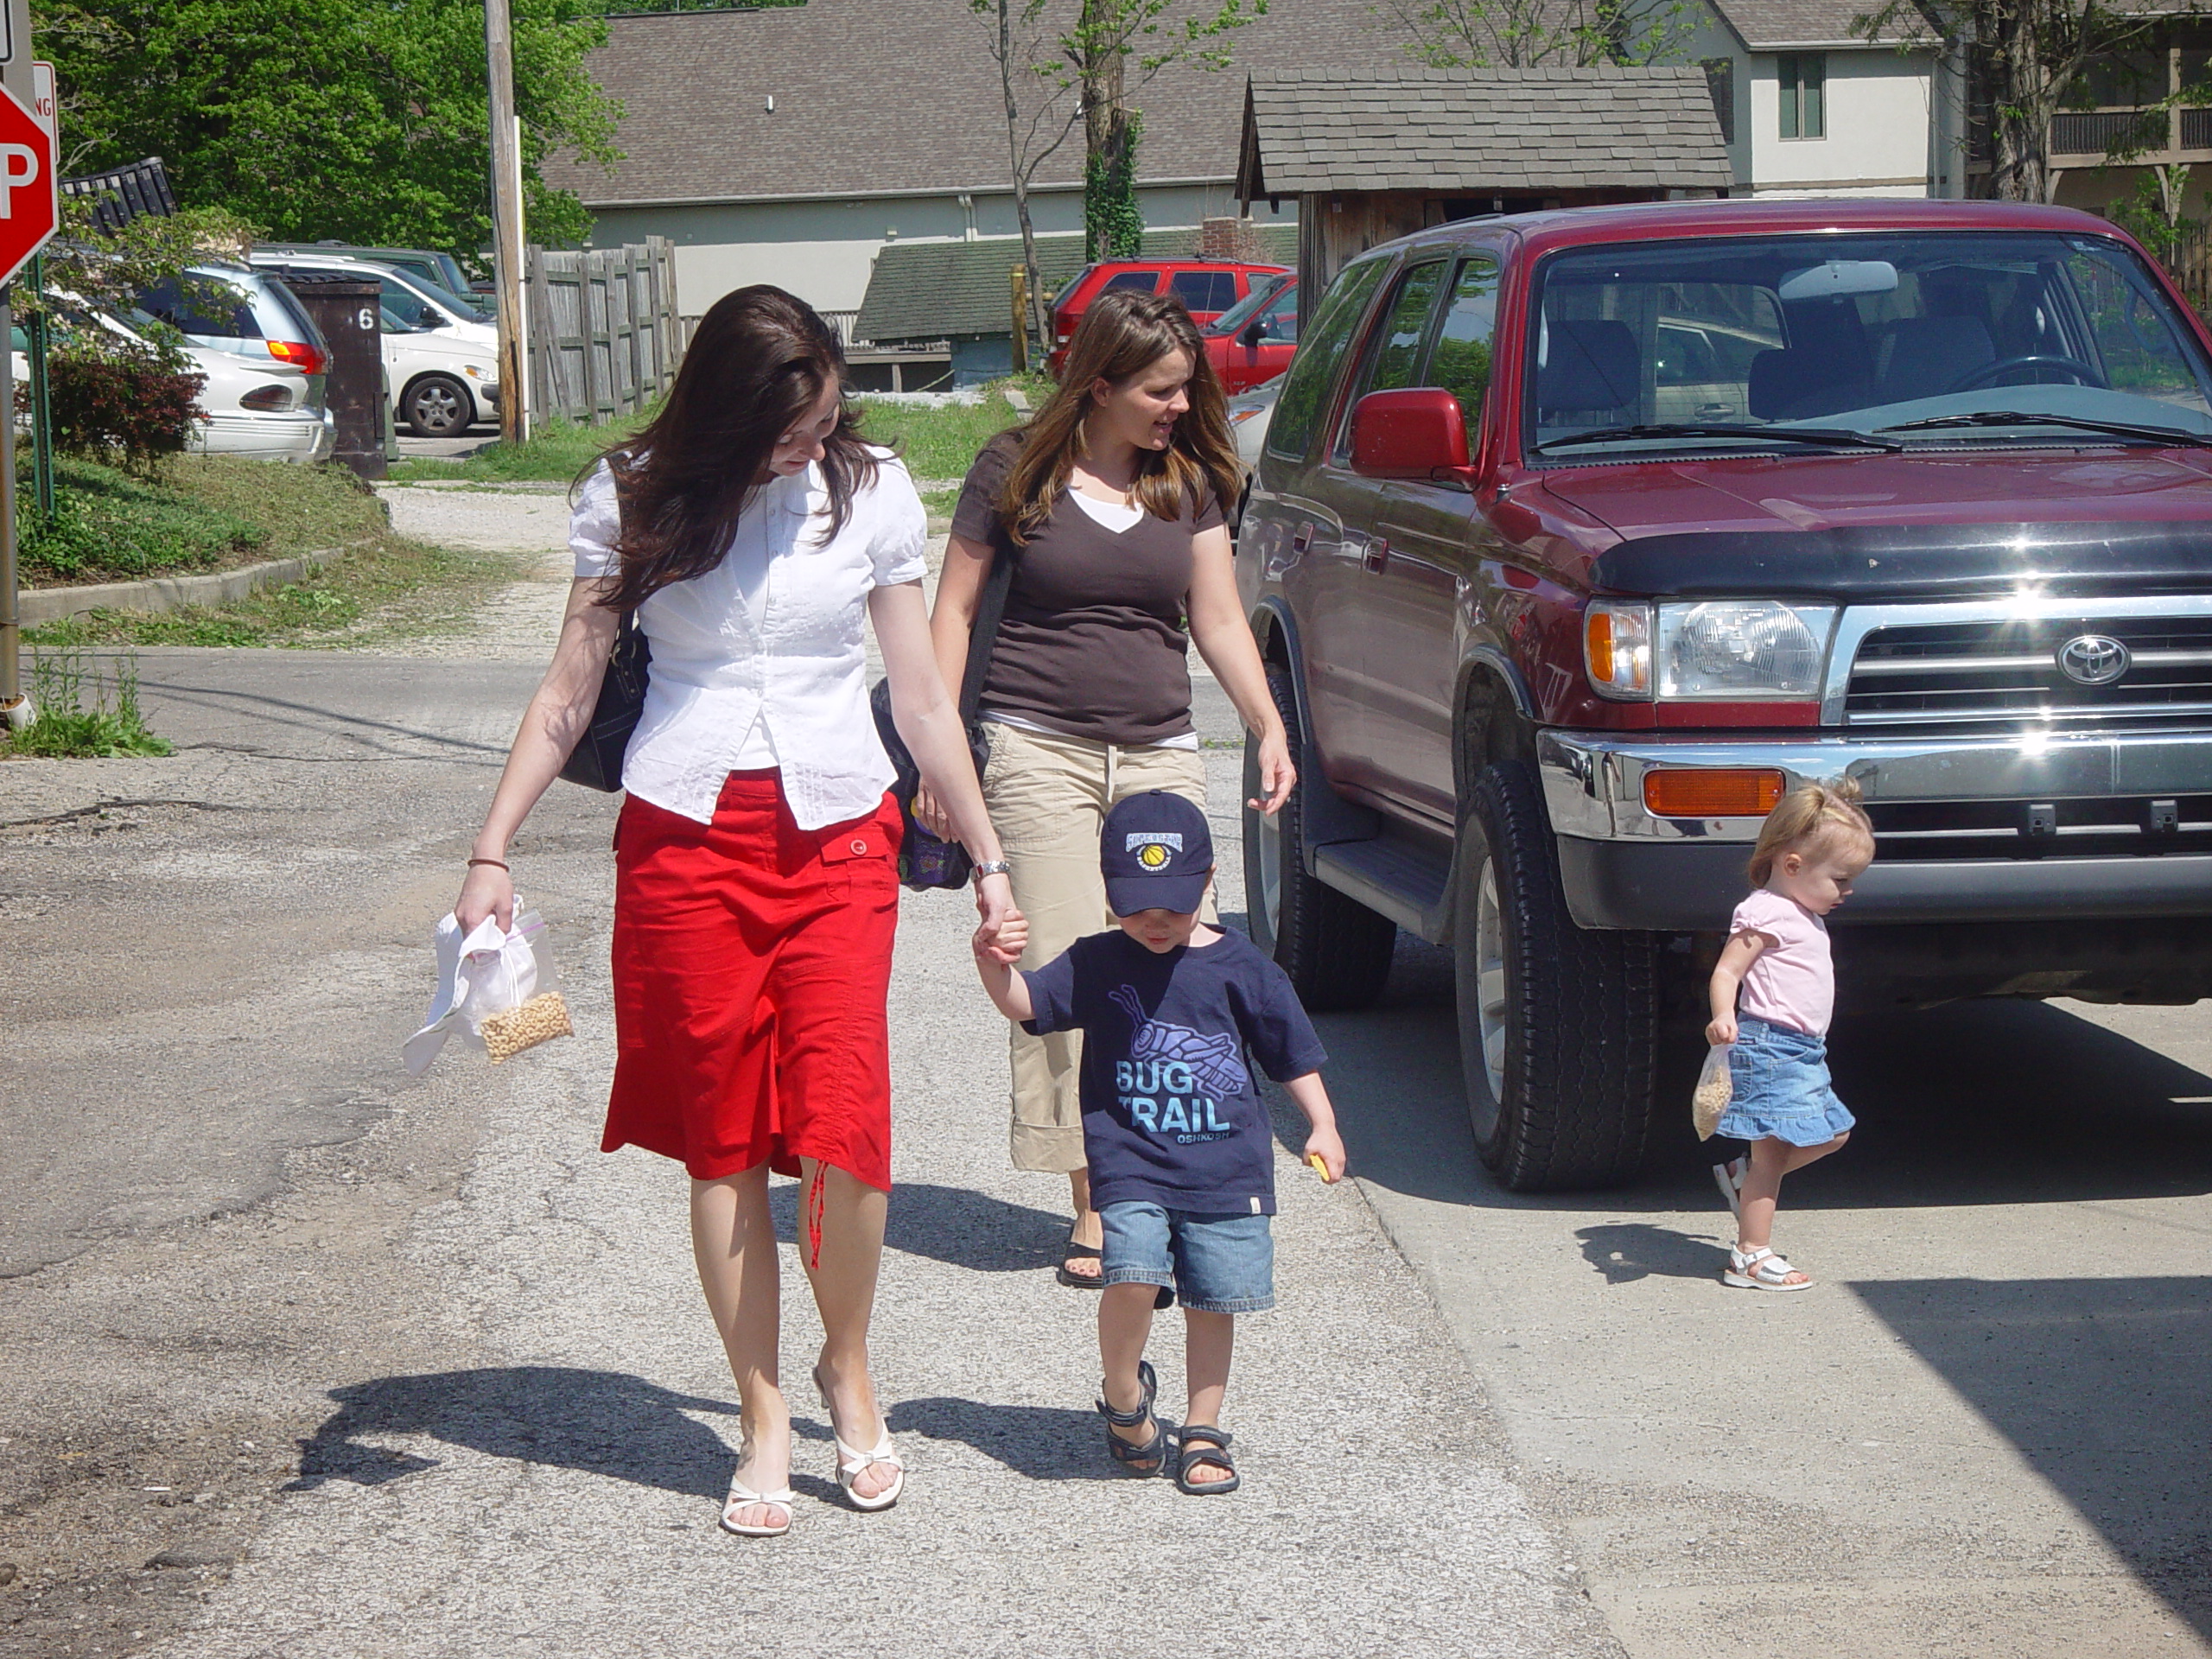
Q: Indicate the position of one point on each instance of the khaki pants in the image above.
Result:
(1048, 797)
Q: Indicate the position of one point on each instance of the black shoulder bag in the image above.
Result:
(924, 860)
(596, 761)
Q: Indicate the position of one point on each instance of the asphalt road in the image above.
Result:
(382, 1369)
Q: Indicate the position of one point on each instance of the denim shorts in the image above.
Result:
(1779, 1076)
(1217, 1264)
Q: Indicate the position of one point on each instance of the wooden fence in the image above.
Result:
(605, 332)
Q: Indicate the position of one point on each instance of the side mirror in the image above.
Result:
(1416, 432)
(434, 320)
(1254, 332)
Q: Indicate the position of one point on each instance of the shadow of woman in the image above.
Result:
(953, 1224)
(604, 1421)
(1039, 1442)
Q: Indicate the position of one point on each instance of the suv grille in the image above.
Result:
(2008, 672)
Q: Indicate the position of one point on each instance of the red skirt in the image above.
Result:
(751, 967)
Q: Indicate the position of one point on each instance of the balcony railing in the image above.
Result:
(2098, 132)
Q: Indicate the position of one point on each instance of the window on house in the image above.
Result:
(1720, 81)
(1803, 77)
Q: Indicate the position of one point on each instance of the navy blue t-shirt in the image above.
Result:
(1170, 1114)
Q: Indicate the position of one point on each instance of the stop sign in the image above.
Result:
(30, 199)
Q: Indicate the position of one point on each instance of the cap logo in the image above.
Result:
(1153, 855)
(1137, 838)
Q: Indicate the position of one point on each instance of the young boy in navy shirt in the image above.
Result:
(1178, 1144)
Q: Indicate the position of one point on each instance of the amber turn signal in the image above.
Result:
(1713, 792)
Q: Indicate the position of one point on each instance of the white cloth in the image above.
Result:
(485, 972)
(763, 660)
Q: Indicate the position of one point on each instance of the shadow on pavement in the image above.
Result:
(951, 1225)
(1038, 1442)
(1625, 1251)
(1998, 1101)
(605, 1422)
(2104, 1386)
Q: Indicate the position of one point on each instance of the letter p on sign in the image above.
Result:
(30, 203)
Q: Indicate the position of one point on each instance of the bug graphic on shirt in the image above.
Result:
(1214, 1062)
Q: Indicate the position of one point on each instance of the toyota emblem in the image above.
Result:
(2093, 659)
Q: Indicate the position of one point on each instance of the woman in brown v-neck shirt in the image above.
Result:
(1109, 503)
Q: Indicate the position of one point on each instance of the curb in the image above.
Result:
(38, 605)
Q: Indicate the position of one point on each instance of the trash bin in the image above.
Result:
(349, 312)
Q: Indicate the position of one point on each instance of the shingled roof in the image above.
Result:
(1606, 128)
(875, 98)
(1783, 25)
(950, 290)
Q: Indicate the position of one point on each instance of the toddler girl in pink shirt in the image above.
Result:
(1773, 991)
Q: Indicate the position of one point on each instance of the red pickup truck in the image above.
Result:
(1579, 537)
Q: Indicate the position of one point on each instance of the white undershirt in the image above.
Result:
(1115, 516)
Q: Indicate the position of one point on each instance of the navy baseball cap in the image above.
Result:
(1156, 854)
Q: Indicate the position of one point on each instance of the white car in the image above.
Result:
(444, 362)
(271, 409)
(1248, 415)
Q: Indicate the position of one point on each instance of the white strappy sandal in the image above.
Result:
(1760, 1270)
(852, 1462)
(742, 1497)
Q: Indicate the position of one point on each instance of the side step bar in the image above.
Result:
(1404, 880)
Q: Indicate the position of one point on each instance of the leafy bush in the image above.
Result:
(106, 525)
(116, 406)
(66, 728)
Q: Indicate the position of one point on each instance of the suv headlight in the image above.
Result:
(1712, 651)
(1743, 650)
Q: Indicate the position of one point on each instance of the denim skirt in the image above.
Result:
(1780, 1089)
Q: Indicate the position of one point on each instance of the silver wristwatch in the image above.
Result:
(990, 867)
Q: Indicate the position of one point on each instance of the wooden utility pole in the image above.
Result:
(506, 216)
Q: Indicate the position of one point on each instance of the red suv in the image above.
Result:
(1579, 537)
(1206, 286)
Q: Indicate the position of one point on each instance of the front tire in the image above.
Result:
(1336, 951)
(1558, 1024)
(437, 406)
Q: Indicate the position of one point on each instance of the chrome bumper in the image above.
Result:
(1593, 785)
(1621, 867)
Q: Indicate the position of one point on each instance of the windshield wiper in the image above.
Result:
(2081, 424)
(1831, 437)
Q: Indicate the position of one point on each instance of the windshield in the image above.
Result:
(1858, 334)
(1263, 289)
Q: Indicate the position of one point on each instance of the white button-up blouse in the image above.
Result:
(763, 660)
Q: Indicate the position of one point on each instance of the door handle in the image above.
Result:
(1302, 538)
(1377, 554)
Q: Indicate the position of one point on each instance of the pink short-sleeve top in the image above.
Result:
(1792, 982)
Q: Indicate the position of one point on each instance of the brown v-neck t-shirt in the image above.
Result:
(1093, 643)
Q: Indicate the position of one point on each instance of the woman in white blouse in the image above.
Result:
(753, 534)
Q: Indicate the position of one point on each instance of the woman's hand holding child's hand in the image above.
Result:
(1004, 934)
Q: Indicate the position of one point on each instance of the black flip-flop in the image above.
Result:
(1075, 1252)
(1197, 1443)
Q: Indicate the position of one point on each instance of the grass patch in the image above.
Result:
(108, 526)
(940, 443)
(385, 588)
(556, 452)
(939, 504)
(66, 728)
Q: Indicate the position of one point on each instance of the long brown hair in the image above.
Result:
(1122, 333)
(758, 361)
(1810, 818)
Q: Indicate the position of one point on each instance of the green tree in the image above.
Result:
(1110, 44)
(319, 118)
(1524, 34)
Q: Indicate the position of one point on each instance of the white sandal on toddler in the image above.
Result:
(1761, 1269)
(1730, 1179)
